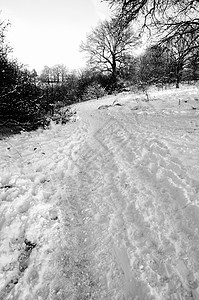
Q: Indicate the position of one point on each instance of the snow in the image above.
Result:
(109, 203)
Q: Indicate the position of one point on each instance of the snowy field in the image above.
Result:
(106, 207)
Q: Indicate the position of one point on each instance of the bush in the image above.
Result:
(94, 91)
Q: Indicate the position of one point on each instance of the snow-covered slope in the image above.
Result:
(106, 207)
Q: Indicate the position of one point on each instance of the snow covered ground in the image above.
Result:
(106, 207)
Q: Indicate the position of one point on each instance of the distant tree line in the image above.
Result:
(71, 87)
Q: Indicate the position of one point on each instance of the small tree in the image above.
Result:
(94, 91)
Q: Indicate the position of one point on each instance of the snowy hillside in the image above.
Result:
(106, 207)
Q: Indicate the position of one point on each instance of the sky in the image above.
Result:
(49, 32)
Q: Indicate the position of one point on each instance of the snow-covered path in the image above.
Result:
(106, 207)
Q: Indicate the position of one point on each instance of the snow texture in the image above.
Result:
(106, 207)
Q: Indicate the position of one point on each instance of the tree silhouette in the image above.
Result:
(167, 16)
(106, 46)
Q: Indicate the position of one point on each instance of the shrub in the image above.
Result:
(94, 90)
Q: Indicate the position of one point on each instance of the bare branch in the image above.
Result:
(107, 44)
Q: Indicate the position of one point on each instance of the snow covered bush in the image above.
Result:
(63, 115)
(94, 90)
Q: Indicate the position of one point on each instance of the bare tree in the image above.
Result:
(107, 45)
(174, 25)
(46, 75)
(56, 74)
(182, 49)
(168, 16)
(59, 73)
(154, 10)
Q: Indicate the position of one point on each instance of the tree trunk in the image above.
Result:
(179, 69)
(177, 83)
(114, 74)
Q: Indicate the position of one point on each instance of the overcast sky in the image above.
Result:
(49, 32)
